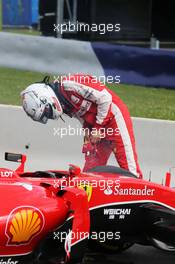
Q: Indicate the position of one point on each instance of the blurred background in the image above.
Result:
(147, 23)
(140, 20)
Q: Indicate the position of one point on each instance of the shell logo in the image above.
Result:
(87, 188)
(23, 224)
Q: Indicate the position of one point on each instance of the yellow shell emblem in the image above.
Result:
(24, 223)
(87, 188)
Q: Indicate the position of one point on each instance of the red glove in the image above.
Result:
(89, 148)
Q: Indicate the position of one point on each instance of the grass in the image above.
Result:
(24, 31)
(13, 81)
(141, 101)
(148, 102)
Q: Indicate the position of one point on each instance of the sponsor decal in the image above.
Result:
(35, 94)
(6, 174)
(23, 224)
(108, 191)
(75, 99)
(8, 261)
(87, 188)
(121, 212)
(57, 104)
(118, 190)
(43, 100)
(134, 191)
(84, 107)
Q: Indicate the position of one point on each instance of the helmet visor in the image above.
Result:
(47, 114)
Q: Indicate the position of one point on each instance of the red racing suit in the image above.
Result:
(97, 107)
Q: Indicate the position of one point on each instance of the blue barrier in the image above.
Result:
(19, 13)
(141, 66)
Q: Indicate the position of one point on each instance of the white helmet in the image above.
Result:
(41, 103)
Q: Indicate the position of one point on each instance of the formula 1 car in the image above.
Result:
(56, 216)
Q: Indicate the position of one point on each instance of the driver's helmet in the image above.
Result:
(40, 102)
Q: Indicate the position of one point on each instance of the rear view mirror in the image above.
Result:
(17, 158)
(13, 157)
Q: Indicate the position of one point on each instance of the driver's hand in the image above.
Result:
(95, 137)
(87, 136)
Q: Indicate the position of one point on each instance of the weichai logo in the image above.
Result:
(23, 224)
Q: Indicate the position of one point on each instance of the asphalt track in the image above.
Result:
(46, 149)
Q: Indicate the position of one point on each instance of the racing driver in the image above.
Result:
(105, 118)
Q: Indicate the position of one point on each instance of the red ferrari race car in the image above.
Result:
(56, 216)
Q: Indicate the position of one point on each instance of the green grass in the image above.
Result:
(13, 82)
(148, 102)
(141, 101)
(24, 31)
